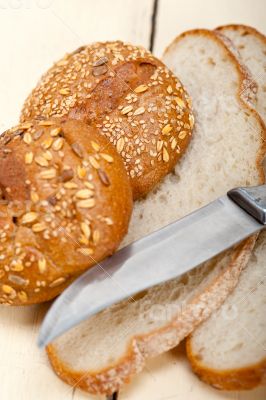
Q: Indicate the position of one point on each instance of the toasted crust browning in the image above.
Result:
(65, 205)
(235, 379)
(130, 97)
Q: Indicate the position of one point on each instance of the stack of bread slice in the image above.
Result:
(227, 150)
(229, 349)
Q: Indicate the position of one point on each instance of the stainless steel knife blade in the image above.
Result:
(157, 258)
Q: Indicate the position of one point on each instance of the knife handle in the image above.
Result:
(252, 200)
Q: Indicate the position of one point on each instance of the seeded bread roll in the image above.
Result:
(130, 96)
(65, 205)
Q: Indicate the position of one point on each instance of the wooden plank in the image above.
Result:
(34, 34)
(176, 16)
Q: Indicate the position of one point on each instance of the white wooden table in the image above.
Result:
(34, 33)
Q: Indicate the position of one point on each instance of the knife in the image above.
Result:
(158, 257)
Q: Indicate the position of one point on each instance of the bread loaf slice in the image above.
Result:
(230, 353)
(251, 45)
(103, 352)
(228, 350)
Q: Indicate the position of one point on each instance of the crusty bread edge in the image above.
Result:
(230, 379)
(235, 27)
(245, 378)
(110, 379)
(247, 83)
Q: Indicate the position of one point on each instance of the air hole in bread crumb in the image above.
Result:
(211, 61)
(2, 194)
(238, 346)
(163, 198)
(3, 197)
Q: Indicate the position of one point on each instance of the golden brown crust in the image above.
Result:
(140, 348)
(65, 204)
(106, 381)
(231, 379)
(130, 96)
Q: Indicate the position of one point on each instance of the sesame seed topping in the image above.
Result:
(48, 174)
(94, 162)
(95, 146)
(182, 135)
(165, 155)
(70, 185)
(180, 102)
(139, 111)
(159, 145)
(107, 157)
(29, 218)
(84, 194)
(86, 230)
(46, 144)
(73, 80)
(141, 88)
(126, 110)
(169, 89)
(41, 161)
(85, 251)
(120, 144)
(89, 185)
(58, 144)
(86, 203)
(34, 197)
(48, 155)
(191, 120)
(7, 289)
(55, 132)
(64, 92)
(25, 125)
(40, 227)
(57, 282)
(27, 138)
(46, 123)
(42, 265)
(22, 296)
(167, 129)
(173, 144)
(28, 158)
(17, 266)
(81, 171)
